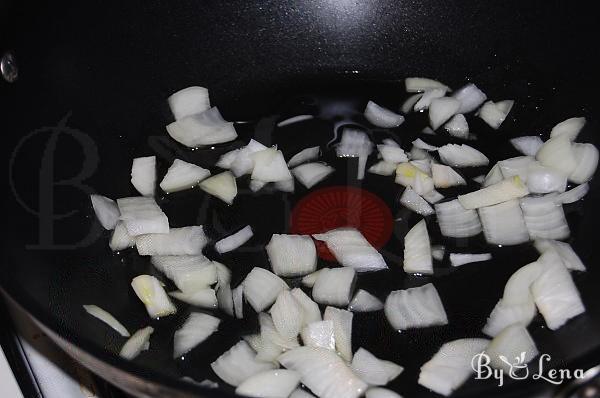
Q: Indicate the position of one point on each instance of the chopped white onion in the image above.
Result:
(197, 328)
(324, 372)
(570, 259)
(542, 179)
(262, 287)
(493, 176)
(517, 166)
(310, 174)
(287, 314)
(364, 301)
(273, 343)
(179, 241)
(244, 163)
(433, 196)
(462, 156)
(438, 252)
(503, 224)
(189, 101)
(223, 274)
(226, 160)
(383, 168)
(150, 292)
(200, 129)
(505, 314)
(142, 216)
(278, 383)
(414, 202)
(351, 249)
(334, 286)
(417, 250)
(507, 189)
(417, 307)
(378, 392)
(137, 343)
(342, 330)
(392, 154)
(495, 113)
(190, 273)
(372, 370)
(310, 279)
(234, 241)
(517, 288)
(107, 211)
(379, 116)
(409, 175)
(120, 239)
(479, 179)
(451, 366)
(470, 97)
(545, 219)
(238, 364)
(319, 334)
(458, 126)
(310, 309)
(455, 221)
(107, 318)
(254, 340)
(442, 109)
(587, 162)
(305, 155)
(182, 175)
(419, 154)
(292, 255)
(417, 84)
(423, 164)
(558, 153)
(222, 186)
(513, 345)
(410, 102)
(527, 145)
(570, 128)
(270, 166)
(294, 119)
(205, 298)
(428, 96)
(574, 194)
(445, 176)
(458, 259)
(419, 143)
(143, 175)
(285, 186)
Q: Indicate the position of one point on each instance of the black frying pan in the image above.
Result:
(90, 95)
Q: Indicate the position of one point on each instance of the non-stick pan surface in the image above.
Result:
(90, 96)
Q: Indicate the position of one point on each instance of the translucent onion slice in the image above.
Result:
(378, 392)
(137, 343)
(383, 168)
(244, 163)
(505, 190)
(189, 101)
(545, 219)
(364, 301)
(143, 175)
(324, 372)
(409, 175)
(558, 153)
(570, 259)
(278, 383)
(458, 127)
(234, 241)
(270, 166)
(262, 287)
(513, 345)
(438, 252)
(451, 366)
(587, 162)
(410, 102)
(107, 318)
(120, 239)
(462, 156)
(569, 128)
(225, 299)
(107, 211)
(292, 255)
(200, 129)
(372, 370)
(310, 309)
(190, 273)
(458, 259)
(238, 364)
(310, 174)
(142, 216)
(237, 295)
(428, 96)
(182, 175)
(417, 307)
(351, 249)
(419, 143)
(573, 195)
(319, 335)
(470, 97)
(294, 120)
(196, 329)
(433, 196)
(342, 330)
(417, 250)
(517, 288)
(419, 154)
(222, 186)
(442, 109)
(150, 292)
(418, 84)
(517, 166)
(446, 177)
(503, 224)
(392, 154)
(226, 160)
(494, 176)
(179, 241)
(505, 314)
(527, 145)
(205, 298)
(382, 117)
(541, 179)
(455, 221)
(414, 202)
(495, 113)
(287, 314)
(305, 155)
(334, 286)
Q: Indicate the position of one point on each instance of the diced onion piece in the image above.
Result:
(310, 279)
(446, 177)
(189, 101)
(470, 97)
(417, 307)
(517, 166)
(150, 292)
(234, 241)
(442, 109)
(419, 154)
(458, 127)
(587, 162)
(237, 295)
(417, 84)
(545, 219)
(409, 175)
(392, 154)
(503, 224)
(254, 340)
(351, 249)
(451, 366)
(137, 343)
(378, 392)
(417, 250)
(270, 166)
(226, 160)
(190, 273)
(455, 221)
(438, 252)
(324, 372)
(558, 153)
(342, 329)
(494, 176)
(205, 298)
(200, 129)
(428, 96)
(574, 194)
(197, 328)
(542, 179)
(244, 163)
(414, 202)
(107, 211)
(238, 364)
(278, 383)
(495, 113)
(285, 186)
(372, 370)
(142, 216)
(555, 293)
(462, 156)
(364, 301)
(458, 259)
(120, 239)
(222, 186)
(305, 155)
(273, 343)
(319, 335)
(382, 117)
(423, 164)
(143, 175)
(182, 175)
(292, 255)
(223, 274)
(528, 145)
(517, 288)
(479, 179)
(294, 120)
(179, 241)
(310, 309)
(570, 259)
(410, 102)
(419, 143)
(310, 174)
(570, 128)
(383, 168)
(262, 287)
(107, 318)
(433, 196)
(256, 185)
(334, 286)
(505, 314)
(507, 189)
(512, 344)
(287, 314)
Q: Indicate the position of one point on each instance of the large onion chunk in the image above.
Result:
(442, 109)
(179, 241)
(458, 127)
(512, 346)
(410, 102)
(505, 314)
(495, 113)
(287, 314)
(200, 129)
(587, 162)
(106, 211)
(120, 239)
(143, 175)
(545, 219)
(558, 153)
(292, 255)
(462, 156)
(244, 162)
(418, 84)
(238, 364)
(428, 96)
(190, 273)
(137, 343)
(470, 97)
(542, 179)
(150, 292)
(503, 224)
(197, 328)
(382, 117)
(305, 155)
(364, 301)
(417, 307)
(278, 383)
(527, 145)
(372, 370)
(574, 194)
(383, 168)
(270, 166)
(310, 174)
(342, 330)
(189, 101)
(351, 249)
(416, 203)
(222, 186)
(392, 154)
(445, 176)
(205, 298)
(310, 309)
(455, 221)
(334, 286)
(570, 259)
(409, 175)
(417, 250)
(182, 175)
(569, 128)
(107, 318)
(262, 287)
(507, 189)
(320, 334)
